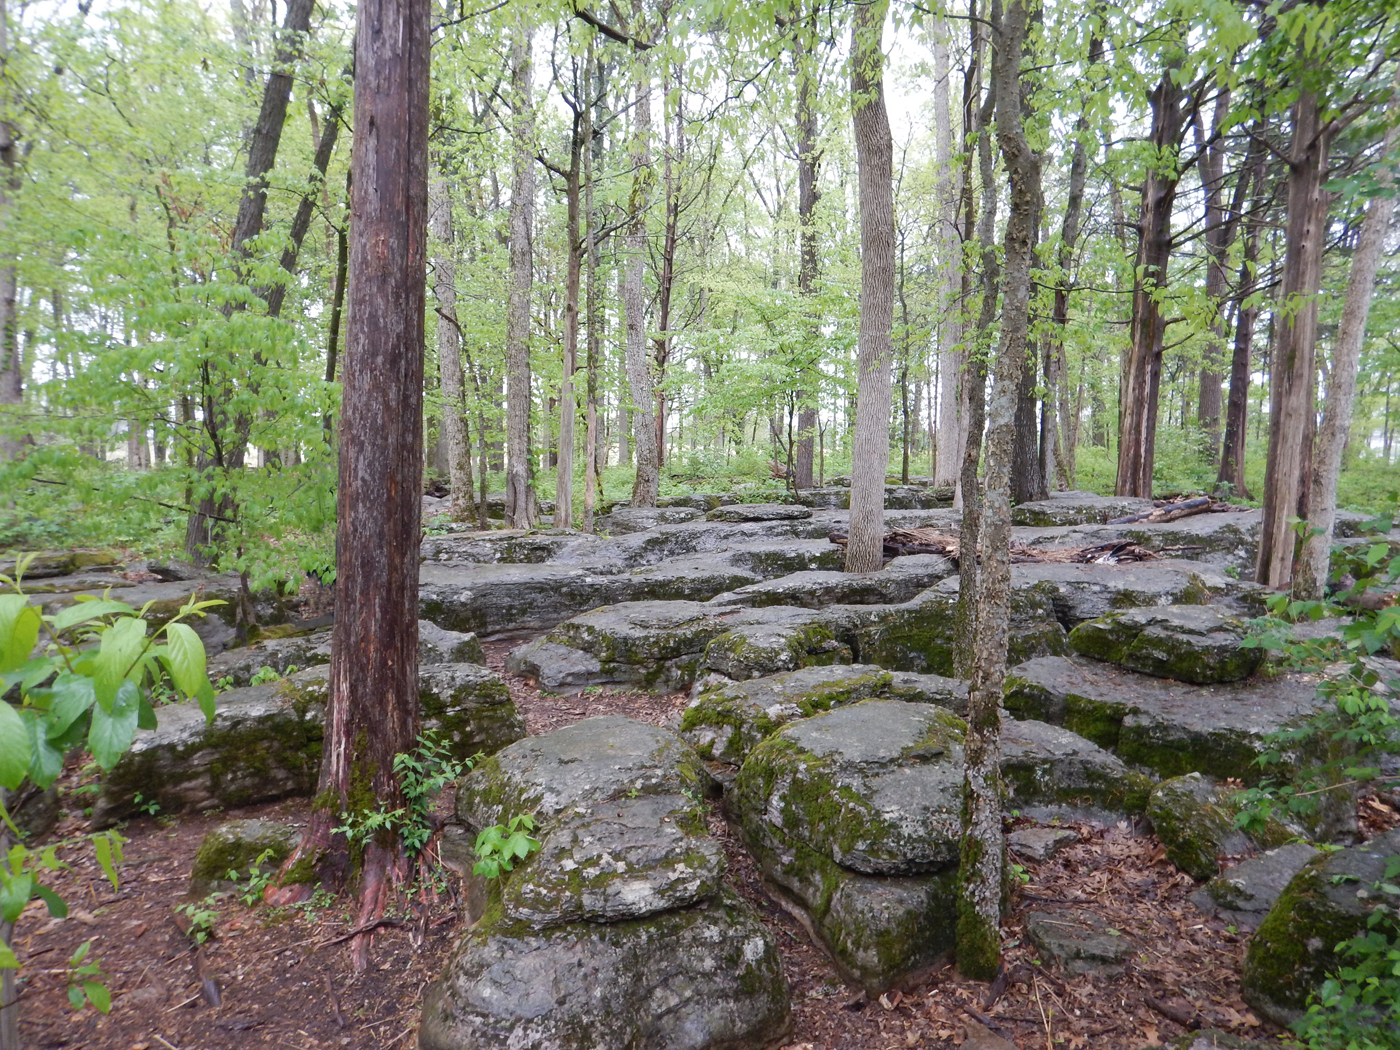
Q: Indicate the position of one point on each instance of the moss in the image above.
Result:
(978, 941)
(302, 873)
(1099, 721)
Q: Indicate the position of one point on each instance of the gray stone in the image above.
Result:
(832, 497)
(1191, 643)
(759, 512)
(1050, 772)
(899, 581)
(265, 741)
(1086, 592)
(1214, 1039)
(617, 860)
(162, 601)
(557, 668)
(1167, 727)
(756, 649)
(34, 810)
(437, 646)
(1327, 902)
(1077, 508)
(240, 846)
(1195, 820)
(726, 720)
(45, 564)
(1244, 893)
(283, 656)
(702, 978)
(1079, 941)
(856, 814)
(1040, 844)
(623, 520)
(596, 760)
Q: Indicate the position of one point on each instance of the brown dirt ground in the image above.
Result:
(281, 979)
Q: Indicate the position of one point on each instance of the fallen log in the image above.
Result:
(901, 542)
(1175, 510)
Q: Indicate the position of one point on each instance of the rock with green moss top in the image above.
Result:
(1195, 820)
(641, 632)
(759, 512)
(758, 649)
(706, 977)
(1170, 728)
(1214, 1039)
(899, 581)
(1327, 902)
(45, 564)
(1085, 592)
(1244, 893)
(921, 635)
(1190, 643)
(1077, 508)
(469, 708)
(239, 845)
(1080, 941)
(726, 720)
(1050, 772)
(876, 786)
(617, 860)
(621, 521)
(595, 760)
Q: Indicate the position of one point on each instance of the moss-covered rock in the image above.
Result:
(1077, 508)
(469, 707)
(1326, 903)
(759, 512)
(754, 650)
(706, 977)
(1195, 820)
(1190, 643)
(238, 846)
(1244, 893)
(1048, 771)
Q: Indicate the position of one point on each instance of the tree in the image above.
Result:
(983, 847)
(875, 160)
(520, 486)
(449, 340)
(11, 365)
(639, 379)
(951, 361)
(373, 711)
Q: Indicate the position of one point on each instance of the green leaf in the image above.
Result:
(14, 747)
(71, 696)
(185, 656)
(121, 646)
(145, 715)
(75, 997)
(14, 895)
(87, 612)
(46, 761)
(58, 907)
(8, 959)
(113, 731)
(19, 630)
(205, 696)
(108, 847)
(98, 995)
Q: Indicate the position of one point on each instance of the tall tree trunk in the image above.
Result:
(952, 360)
(449, 341)
(593, 302)
(674, 153)
(373, 711)
(1341, 390)
(226, 438)
(1142, 368)
(875, 161)
(1292, 379)
(983, 848)
(806, 69)
(520, 474)
(564, 479)
(1219, 231)
(639, 379)
(11, 363)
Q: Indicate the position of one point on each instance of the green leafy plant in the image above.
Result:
(265, 674)
(258, 879)
(84, 981)
(201, 915)
(500, 846)
(148, 806)
(89, 685)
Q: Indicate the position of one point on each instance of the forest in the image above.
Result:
(465, 357)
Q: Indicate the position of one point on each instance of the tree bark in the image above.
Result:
(983, 848)
(449, 341)
(1315, 557)
(593, 446)
(875, 163)
(1142, 371)
(520, 475)
(805, 68)
(564, 478)
(1219, 231)
(373, 711)
(639, 379)
(11, 363)
(952, 360)
(1291, 386)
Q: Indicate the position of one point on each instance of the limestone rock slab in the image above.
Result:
(1190, 643)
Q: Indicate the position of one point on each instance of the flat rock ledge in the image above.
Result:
(618, 932)
(1190, 643)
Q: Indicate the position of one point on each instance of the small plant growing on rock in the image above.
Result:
(500, 846)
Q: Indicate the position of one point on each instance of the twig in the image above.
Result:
(1188, 1021)
(983, 1019)
(359, 930)
(166, 1041)
(172, 1009)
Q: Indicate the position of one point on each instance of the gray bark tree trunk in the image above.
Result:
(951, 358)
(1311, 581)
(875, 163)
(648, 477)
(983, 849)
(11, 362)
(805, 67)
(1218, 234)
(373, 710)
(520, 475)
(1292, 375)
(449, 345)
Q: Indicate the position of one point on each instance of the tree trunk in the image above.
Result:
(983, 849)
(875, 163)
(449, 340)
(593, 304)
(1341, 390)
(11, 364)
(226, 438)
(564, 478)
(520, 475)
(648, 478)
(1291, 385)
(373, 711)
(1142, 369)
(1219, 231)
(948, 193)
(805, 67)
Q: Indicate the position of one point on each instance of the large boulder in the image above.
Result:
(265, 741)
(234, 848)
(617, 932)
(623, 520)
(1191, 643)
(1195, 820)
(856, 814)
(770, 646)
(1050, 772)
(1327, 902)
(899, 581)
(1244, 893)
(759, 512)
(1082, 592)
(1167, 727)
(726, 719)
(1077, 508)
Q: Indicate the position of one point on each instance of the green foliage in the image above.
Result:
(201, 915)
(258, 879)
(501, 845)
(265, 674)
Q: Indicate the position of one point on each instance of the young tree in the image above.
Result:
(875, 159)
(520, 485)
(639, 379)
(983, 847)
(951, 360)
(373, 711)
(449, 344)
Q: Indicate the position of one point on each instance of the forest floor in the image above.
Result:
(282, 978)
